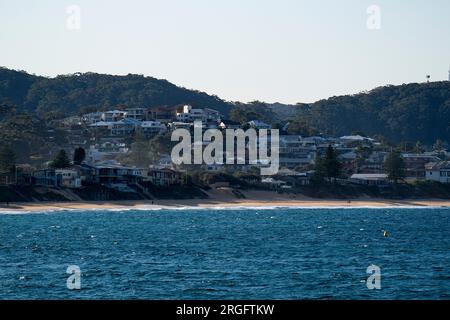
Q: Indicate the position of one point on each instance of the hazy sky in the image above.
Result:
(285, 50)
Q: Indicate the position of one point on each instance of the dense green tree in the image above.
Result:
(61, 161)
(301, 127)
(419, 148)
(7, 158)
(395, 166)
(79, 155)
(255, 110)
(362, 154)
(438, 145)
(332, 164)
(319, 170)
(140, 152)
(327, 167)
(242, 115)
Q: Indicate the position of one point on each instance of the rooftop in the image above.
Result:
(369, 176)
(438, 165)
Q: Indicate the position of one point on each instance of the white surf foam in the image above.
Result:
(151, 208)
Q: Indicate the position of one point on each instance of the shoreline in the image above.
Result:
(224, 204)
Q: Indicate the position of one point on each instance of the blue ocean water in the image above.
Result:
(226, 254)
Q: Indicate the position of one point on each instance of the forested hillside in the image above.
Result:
(410, 112)
(72, 94)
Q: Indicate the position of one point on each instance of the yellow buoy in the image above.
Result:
(386, 234)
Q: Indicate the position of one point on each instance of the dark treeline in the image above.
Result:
(406, 113)
(80, 93)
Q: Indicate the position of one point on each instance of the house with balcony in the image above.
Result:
(189, 114)
(136, 113)
(46, 178)
(152, 128)
(161, 114)
(125, 127)
(113, 115)
(415, 164)
(165, 177)
(68, 178)
(91, 118)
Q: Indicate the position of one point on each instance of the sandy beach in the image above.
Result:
(221, 199)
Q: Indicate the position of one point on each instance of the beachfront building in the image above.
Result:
(273, 183)
(46, 178)
(374, 163)
(438, 171)
(105, 151)
(369, 179)
(165, 177)
(415, 164)
(68, 178)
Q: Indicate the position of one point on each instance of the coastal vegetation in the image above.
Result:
(407, 113)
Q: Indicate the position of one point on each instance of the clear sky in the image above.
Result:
(281, 50)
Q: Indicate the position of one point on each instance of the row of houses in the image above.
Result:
(109, 173)
(434, 171)
(437, 172)
(359, 155)
(127, 127)
(165, 115)
(118, 123)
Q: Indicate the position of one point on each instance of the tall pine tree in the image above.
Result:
(395, 166)
(61, 161)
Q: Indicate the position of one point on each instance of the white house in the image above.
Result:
(356, 138)
(188, 114)
(257, 124)
(69, 178)
(228, 124)
(438, 171)
(113, 115)
(103, 151)
(91, 118)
